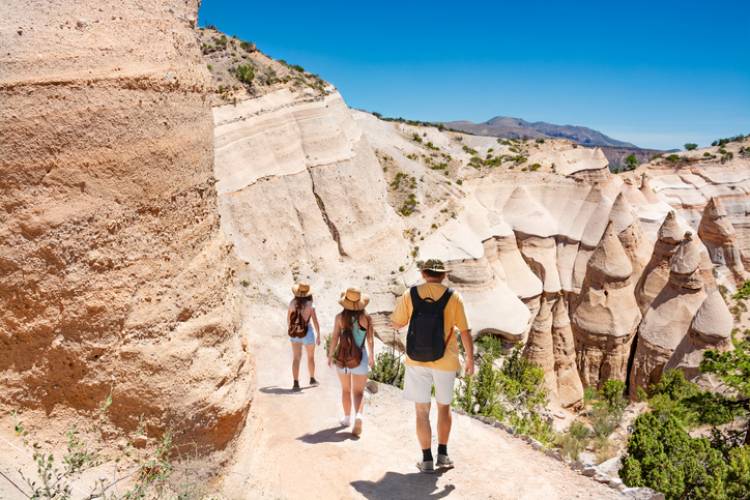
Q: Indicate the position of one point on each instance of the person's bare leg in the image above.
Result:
(358, 390)
(359, 382)
(311, 359)
(424, 431)
(296, 357)
(444, 422)
(346, 393)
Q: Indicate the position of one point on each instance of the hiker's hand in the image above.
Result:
(330, 361)
(317, 342)
(469, 369)
(370, 362)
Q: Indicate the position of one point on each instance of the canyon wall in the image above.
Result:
(114, 275)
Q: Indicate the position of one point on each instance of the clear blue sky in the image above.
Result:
(655, 73)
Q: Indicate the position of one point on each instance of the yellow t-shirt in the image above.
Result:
(454, 317)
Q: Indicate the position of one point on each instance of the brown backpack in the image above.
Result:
(297, 323)
(348, 353)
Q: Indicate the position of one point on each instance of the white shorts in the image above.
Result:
(419, 380)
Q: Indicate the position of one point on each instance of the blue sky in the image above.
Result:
(656, 73)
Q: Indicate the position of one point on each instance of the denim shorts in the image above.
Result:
(308, 339)
(361, 369)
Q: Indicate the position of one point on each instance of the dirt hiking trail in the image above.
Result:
(295, 448)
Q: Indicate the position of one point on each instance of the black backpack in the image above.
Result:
(425, 340)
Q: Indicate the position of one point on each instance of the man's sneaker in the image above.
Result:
(426, 466)
(313, 382)
(345, 421)
(444, 461)
(296, 387)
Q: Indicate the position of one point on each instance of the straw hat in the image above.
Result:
(354, 300)
(301, 290)
(434, 265)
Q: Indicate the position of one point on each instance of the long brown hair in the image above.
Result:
(302, 301)
(348, 318)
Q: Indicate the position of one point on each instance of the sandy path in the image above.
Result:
(294, 448)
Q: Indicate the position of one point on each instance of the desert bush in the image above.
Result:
(574, 440)
(613, 394)
(244, 73)
(514, 393)
(416, 137)
(673, 158)
(409, 205)
(389, 369)
(663, 456)
(248, 46)
(140, 473)
(727, 156)
(535, 167)
(743, 292)
(691, 146)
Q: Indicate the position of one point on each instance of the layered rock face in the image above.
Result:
(302, 194)
(718, 234)
(711, 188)
(114, 275)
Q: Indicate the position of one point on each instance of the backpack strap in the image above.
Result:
(445, 298)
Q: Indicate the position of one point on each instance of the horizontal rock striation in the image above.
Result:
(114, 276)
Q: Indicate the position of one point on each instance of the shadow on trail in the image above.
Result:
(274, 389)
(331, 435)
(395, 485)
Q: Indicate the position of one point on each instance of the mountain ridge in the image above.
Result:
(517, 128)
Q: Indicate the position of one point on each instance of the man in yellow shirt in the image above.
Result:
(433, 313)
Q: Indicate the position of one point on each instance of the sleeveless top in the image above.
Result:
(359, 334)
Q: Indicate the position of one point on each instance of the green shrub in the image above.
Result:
(662, 455)
(535, 167)
(247, 46)
(389, 369)
(674, 158)
(613, 393)
(743, 292)
(409, 206)
(514, 394)
(691, 146)
(244, 73)
(574, 440)
(56, 470)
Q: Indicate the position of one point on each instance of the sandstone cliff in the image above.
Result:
(114, 275)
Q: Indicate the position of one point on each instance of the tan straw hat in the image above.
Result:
(301, 290)
(354, 300)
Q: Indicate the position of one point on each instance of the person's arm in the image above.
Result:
(468, 342)
(289, 315)
(400, 316)
(462, 323)
(370, 342)
(316, 325)
(334, 340)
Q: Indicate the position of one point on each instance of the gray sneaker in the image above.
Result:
(427, 467)
(444, 461)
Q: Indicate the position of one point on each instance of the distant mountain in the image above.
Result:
(517, 128)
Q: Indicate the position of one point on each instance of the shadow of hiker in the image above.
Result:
(274, 389)
(331, 435)
(395, 485)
